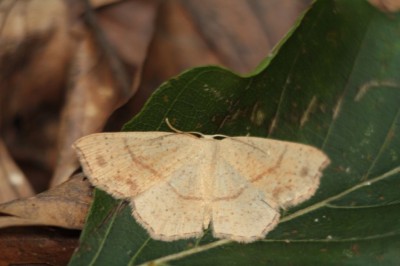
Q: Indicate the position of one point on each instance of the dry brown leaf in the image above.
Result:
(64, 206)
(35, 49)
(386, 5)
(233, 24)
(13, 183)
(99, 3)
(37, 246)
(34, 54)
(100, 84)
(236, 35)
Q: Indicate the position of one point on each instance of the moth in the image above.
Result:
(181, 183)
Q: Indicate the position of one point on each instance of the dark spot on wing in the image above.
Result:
(101, 161)
(304, 171)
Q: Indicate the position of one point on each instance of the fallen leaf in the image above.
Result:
(35, 49)
(13, 183)
(65, 206)
(101, 83)
(36, 245)
(386, 5)
(193, 33)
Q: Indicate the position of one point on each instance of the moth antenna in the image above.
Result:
(182, 132)
(172, 127)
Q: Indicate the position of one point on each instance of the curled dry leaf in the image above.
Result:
(44, 46)
(100, 82)
(13, 184)
(34, 52)
(64, 206)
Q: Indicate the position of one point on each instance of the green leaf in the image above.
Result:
(333, 84)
